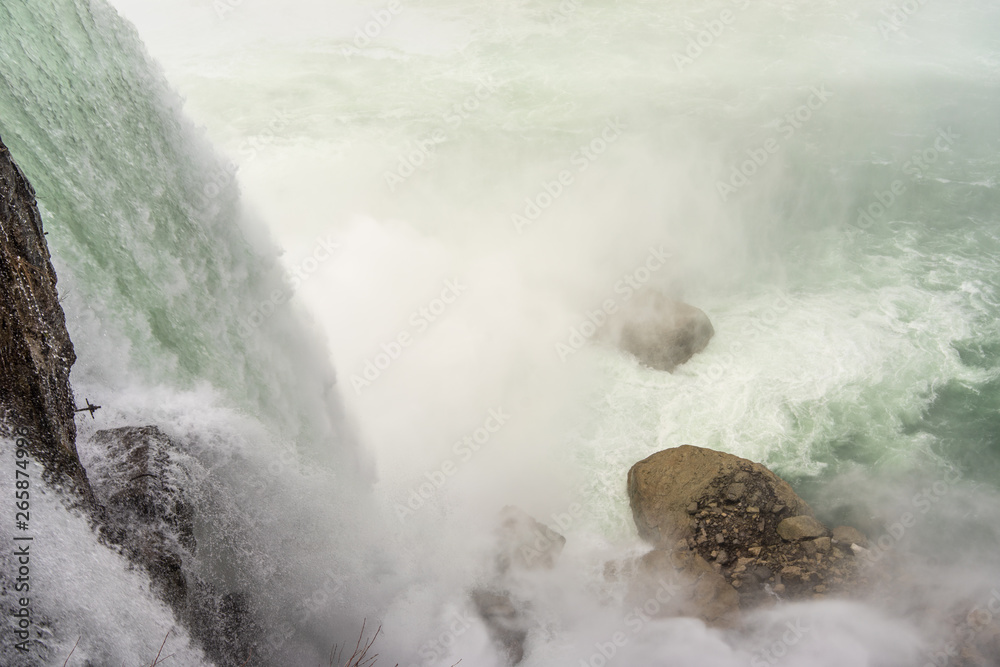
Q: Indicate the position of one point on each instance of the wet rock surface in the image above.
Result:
(149, 512)
(36, 353)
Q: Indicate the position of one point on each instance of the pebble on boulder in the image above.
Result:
(800, 528)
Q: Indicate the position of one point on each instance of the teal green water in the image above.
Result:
(159, 265)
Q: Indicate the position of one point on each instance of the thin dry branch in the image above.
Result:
(360, 657)
(156, 660)
(71, 652)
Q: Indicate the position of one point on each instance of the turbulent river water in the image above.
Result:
(347, 254)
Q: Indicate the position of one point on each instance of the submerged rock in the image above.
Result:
(36, 353)
(743, 520)
(504, 620)
(523, 545)
(660, 332)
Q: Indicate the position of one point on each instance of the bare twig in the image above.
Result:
(71, 652)
(360, 657)
(156, 660)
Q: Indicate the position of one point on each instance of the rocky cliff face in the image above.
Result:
(35, 350)
(141, 500)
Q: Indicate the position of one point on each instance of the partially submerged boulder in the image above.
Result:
(660, 332)
(742, 519)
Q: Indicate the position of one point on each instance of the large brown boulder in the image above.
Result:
(668, 488)
(743, 520)
(660, 332)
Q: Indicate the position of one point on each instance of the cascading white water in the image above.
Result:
(456, 187)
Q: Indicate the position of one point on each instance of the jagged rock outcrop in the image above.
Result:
(35, 350)
(660, 332)
(523, 545)
(745, 521)
(141, 480)
(506, 621)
